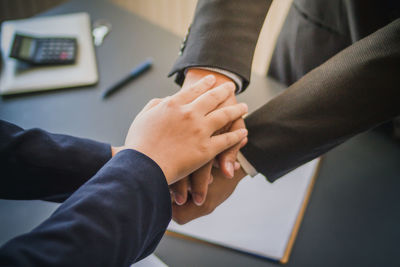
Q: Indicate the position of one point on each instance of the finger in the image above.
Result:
(187, 212)
(210, 100)
(189, 94)
(227, 158)
(224, 141)
(237, 166)
(180, 191)
(152, 103)
(221, 117)
(244, 142)
(199, 183)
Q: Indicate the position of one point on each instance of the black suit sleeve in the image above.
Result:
(39, 165)
(223, 35)
(116, 218)
(352, 92)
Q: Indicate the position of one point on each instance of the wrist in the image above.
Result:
(194, 74)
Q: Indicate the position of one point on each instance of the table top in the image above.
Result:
(353, 215)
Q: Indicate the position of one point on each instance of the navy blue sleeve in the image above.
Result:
(116, 218)
(39, 165)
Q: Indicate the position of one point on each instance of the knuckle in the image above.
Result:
(180, 221)
(197, 89)
(215, 95)
(187, 114)
(170, 103)
(155, 100)
(228, 138)
(197, 130)
(227, 115)
(203, 148)
(208, 207)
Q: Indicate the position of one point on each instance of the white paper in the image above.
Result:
(258, 217)
(150, 261)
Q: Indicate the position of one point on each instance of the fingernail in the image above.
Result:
(229, 168)
(237, 166)
(197, 198)
(244, 132)
(210, 79)
(211, 179)
(179, 199)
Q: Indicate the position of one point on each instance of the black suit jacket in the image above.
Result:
(114, 218)
(316, 30)
(353, 91)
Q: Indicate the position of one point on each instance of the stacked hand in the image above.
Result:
(178, 132)
(218, 191)
(206, 185)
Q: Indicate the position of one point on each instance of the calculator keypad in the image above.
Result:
(56, 51)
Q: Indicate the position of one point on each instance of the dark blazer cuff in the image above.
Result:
(251, 153)
(151, 179)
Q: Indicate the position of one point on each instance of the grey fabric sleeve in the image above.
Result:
(223, 35)
(352, 92)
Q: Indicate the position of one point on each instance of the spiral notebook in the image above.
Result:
(259, 218)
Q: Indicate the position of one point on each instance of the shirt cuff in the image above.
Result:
(247, 167)
(234, 77)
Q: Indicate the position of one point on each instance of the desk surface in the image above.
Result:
(353, 215)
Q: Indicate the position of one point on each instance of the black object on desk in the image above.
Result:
(136, 72)
(44, 50)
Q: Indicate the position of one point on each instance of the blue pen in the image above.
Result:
(136, 72)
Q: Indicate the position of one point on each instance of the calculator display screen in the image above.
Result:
(26, 47)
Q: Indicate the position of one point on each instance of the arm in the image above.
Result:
(39, 165)
(352, 92)
(220, 189)
(120, 214)
(116, 218)
(223, 35)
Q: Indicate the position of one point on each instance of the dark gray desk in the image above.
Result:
(354, 214)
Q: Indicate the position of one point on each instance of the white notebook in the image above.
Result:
(150, 261)
(259, 218)
(83, 72)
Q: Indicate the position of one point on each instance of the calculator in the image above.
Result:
(44, 50)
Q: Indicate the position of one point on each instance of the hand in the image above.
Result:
(177, 132)
(218, 192)
(197, 183)
(201, 178)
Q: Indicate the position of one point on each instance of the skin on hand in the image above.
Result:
(200, 179)
(218, 192)
(177, 132)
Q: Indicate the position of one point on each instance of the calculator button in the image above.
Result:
(63, 55)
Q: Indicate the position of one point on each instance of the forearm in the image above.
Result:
(223, 35)
(115, 219)
(352, 92)
(39, 165)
